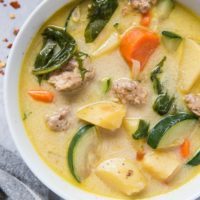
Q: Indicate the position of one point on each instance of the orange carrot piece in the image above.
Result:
(185, 148)
(140, 155)
(139, 44)
(41, 95)
(146, 19)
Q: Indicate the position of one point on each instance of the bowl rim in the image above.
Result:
(11, 101)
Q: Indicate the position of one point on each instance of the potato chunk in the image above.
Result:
(189, 71)
(105, 114)
(161, 165)
(131, 125)
(122, 175)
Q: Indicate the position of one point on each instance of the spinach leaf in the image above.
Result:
(67, 46)
(99, 14)
(59, 35)
(80, 57)
(45, 54)
(155, 76)
(142, 130)
(26, 115)
(163, 104)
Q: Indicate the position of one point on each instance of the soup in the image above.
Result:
(109, 97)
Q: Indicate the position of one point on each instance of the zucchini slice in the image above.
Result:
(164, 8)
(195, 160)
(82, 145)
(171, 129)
(171, 40)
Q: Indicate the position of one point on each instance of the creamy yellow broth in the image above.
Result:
(52, 147)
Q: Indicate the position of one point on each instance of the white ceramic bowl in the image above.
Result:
(190, 191)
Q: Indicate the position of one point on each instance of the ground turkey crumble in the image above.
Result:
(128, 91)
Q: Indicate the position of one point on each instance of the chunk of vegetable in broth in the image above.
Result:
(99, 15)
(189, 70)
(166, 132)
(139, 44)
(171, 40)
(84, 143)
(161, 165)
(164, 8)
(131, 125)
(146, 19)
(105, 114)
(74, 14)
(122, 175)
(45, 54)
(163, 104)
(41, 95)
(67, 49)
(155, 76)
(195, 160)
(142, 130)
(106, 85)
(109, 45)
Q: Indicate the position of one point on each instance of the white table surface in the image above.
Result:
(6, 31)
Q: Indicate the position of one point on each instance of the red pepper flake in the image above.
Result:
(9, 46)
(140, 155)
(2, 72)
(15, 4)
(16, 31)
(5, 40)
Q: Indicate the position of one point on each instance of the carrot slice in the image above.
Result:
(41, 95)
(140, 155)
(139, 44)
(146, 19)
(185, 148)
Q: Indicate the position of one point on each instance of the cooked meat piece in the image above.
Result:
(193, 103)
(60, 120)
(90, 70)
(128, 91)
(70, 80)
(71, 65)
(143, 5)
(68, 67)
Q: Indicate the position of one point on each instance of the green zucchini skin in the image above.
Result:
(171, 40)
(160, 129)
(195, 160)
(81, 132)
(171, 35)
